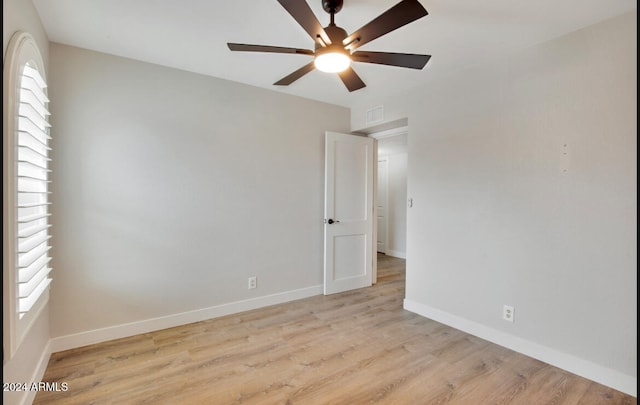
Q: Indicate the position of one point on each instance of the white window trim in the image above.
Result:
(22, 49)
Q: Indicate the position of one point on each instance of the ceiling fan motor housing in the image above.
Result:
(335, 34)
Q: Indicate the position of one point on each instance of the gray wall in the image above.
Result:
(32, 355)
(171, 189)
(21, 15)
(523, 175)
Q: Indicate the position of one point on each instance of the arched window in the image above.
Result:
(26, 259)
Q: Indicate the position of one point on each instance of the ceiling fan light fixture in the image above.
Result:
(333, 59)
(334, 46)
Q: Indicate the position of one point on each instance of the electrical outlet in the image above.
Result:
(508, 313)
(253, 282)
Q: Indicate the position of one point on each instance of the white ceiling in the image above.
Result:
(192, 35)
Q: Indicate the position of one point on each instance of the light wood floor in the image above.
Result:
(353, 348)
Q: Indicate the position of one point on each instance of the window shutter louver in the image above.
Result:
(32, 190)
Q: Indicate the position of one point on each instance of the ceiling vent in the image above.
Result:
(376, 114)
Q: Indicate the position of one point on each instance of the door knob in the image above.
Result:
(331, 221)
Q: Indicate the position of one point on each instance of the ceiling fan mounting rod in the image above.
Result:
(332, 7)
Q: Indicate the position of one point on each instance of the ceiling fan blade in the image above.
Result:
(287, 80)
(407, 60)
(397, 16)
(267, 48)
(302, 13)
(351, 79)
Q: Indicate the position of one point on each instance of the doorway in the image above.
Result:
(391, 192)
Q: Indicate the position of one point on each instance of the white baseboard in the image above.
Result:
(594, 372)
(396, 253)
(149, 325)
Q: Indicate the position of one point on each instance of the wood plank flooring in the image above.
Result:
(358, 347)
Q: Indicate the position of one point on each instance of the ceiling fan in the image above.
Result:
(334, 48)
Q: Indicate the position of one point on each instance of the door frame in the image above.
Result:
(401, 129)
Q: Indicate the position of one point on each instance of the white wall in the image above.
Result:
(27, 365)
(523, 175)
(171, 189)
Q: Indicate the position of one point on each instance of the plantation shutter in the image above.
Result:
(32, 190)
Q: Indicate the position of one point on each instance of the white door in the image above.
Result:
(381, 201)
(348, 208)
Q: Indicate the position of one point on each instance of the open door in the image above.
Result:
(348, 212)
